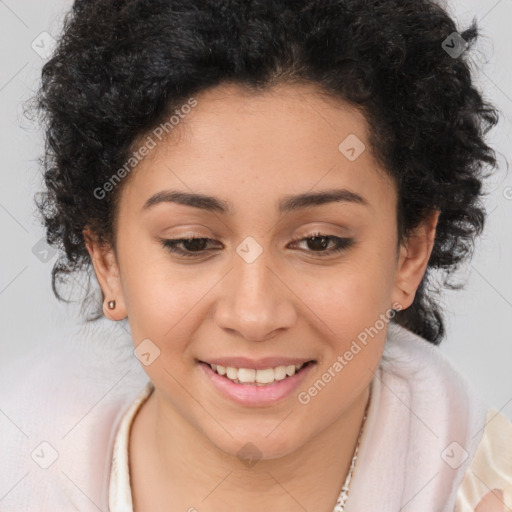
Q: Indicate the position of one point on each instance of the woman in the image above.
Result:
(264, 190)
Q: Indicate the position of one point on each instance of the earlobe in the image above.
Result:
(413, 260)
(108, 276)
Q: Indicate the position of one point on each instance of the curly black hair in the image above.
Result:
(121, 66)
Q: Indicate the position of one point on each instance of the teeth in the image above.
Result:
(265, 376)
(231, 373)
(280, 373)
(257, 377)
(290, 370)
(246, 375)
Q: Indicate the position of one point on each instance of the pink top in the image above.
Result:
(491, 467)
(429, 443)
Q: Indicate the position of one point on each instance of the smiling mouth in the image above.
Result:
(259, 377)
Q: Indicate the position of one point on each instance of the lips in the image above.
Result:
(256, 394)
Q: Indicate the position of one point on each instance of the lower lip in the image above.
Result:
(252, 395)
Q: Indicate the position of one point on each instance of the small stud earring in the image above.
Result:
(111, 304)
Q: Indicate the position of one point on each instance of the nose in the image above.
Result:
(255, 301)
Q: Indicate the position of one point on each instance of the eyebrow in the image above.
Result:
(286, 204)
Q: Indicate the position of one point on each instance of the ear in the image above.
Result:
(413, 260)
(107, 273)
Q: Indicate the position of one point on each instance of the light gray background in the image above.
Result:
(479, 340)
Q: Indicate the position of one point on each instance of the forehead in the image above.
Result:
(235, 144)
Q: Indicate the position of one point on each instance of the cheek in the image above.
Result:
(354, 295)
(156, 295)
(159, 306)
(352, 313)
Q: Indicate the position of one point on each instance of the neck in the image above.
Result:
(174, 466)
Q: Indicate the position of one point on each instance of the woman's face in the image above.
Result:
(258, 177)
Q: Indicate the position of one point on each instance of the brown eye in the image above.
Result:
(319, 243)
(192, 247)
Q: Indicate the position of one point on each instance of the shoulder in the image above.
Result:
(483, 434)
(487, 484)
(60, 405)
(430, 376)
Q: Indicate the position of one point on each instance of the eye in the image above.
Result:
(193, 246)
(318, 242)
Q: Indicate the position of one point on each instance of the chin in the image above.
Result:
(256, 444)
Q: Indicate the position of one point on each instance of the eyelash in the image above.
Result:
(341, 244)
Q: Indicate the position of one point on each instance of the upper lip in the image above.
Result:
(257, 364)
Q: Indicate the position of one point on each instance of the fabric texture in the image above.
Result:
(60, 407)
(429, 443)
(120, 494)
